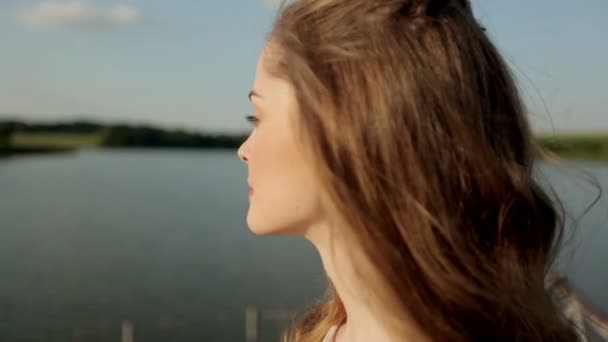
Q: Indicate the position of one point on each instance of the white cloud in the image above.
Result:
(124, 14)
(273, 4)
(79, 15)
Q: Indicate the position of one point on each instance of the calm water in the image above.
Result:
(159, 238)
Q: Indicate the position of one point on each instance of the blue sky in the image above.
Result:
(190, 64)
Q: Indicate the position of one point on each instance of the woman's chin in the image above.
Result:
(256, 230)
(256, 227)
(264, 228)
(263, 231)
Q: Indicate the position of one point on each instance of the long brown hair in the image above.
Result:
(415, 127)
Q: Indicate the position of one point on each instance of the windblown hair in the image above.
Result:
(420, 139)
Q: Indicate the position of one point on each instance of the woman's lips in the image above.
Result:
(250, 191)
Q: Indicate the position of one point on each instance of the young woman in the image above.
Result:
(391, 135)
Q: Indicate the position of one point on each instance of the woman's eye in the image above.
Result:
(252, 119)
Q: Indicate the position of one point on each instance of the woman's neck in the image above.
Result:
(361, 323)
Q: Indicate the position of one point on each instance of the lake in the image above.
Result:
(158, 238)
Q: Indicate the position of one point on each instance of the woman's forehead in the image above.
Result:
(264, 77)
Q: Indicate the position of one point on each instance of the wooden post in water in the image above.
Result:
(251, 324)
(127, 331)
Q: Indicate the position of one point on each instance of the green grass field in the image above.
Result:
(577, 146)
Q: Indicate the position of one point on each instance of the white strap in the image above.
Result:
(331, 334)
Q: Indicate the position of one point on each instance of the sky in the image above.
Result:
(190, 64)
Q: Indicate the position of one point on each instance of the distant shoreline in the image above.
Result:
(592, 147)
(13, 152)
(26, 138)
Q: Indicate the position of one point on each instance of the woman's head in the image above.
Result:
(412, 141)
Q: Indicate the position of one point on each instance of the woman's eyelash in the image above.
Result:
(252, 119)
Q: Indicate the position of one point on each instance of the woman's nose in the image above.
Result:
(242, 153)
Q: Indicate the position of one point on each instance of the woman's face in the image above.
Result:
(283, 195)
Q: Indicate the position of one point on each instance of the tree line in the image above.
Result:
(123, 135)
